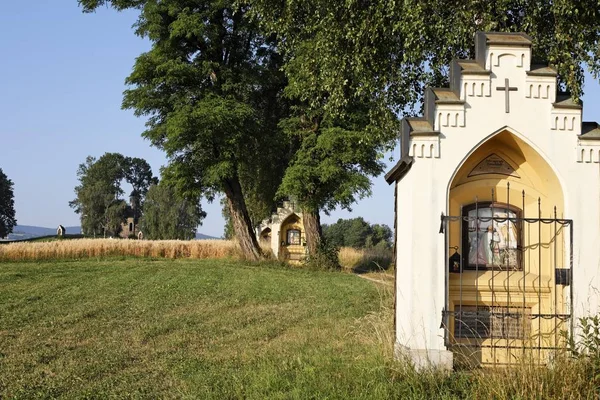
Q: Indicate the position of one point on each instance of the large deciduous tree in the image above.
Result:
(332, 168)
(7, 205)
(138, 174)
(169, 216)
(210, 87)
(341, 123)
(98, 195)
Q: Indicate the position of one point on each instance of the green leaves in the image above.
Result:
(210, 87)
(138, 173)
(169, 216)
(389, 51)
(98, 193)
(331, 168)
(357, 233)
(7, 205)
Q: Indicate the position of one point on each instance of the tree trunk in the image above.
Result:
(242, 226)
(312, 229)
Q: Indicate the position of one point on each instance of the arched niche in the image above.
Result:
(292, 230)
(531, 175)
(507, 176)
(291, 238)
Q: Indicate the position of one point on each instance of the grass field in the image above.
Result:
(209, 329)
(138, 328)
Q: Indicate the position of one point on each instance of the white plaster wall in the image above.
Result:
(275, 238)
(422, 195)
(420, 287)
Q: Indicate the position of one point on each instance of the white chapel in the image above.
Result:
(497, 200)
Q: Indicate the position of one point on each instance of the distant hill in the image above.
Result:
(201, 236)
(23, 232)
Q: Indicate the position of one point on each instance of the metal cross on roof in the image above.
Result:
(506, 88)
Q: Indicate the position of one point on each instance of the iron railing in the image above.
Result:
(513, 298)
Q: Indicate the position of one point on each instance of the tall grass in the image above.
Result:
(363, 260)
(377, 327)
(93, 248)
(567, 377)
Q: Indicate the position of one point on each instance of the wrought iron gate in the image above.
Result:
(509, 291)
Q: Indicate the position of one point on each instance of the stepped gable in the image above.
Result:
(590, 131)
(564, 100)
(588, 149)
(542, 70)
(447, 109)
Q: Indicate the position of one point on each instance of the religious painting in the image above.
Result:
(492, 237)
(293, 236)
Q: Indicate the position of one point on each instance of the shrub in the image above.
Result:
(326, 258)
(586, 348)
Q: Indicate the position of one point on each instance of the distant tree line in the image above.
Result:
(357, 233)
(99, 194)
(7, 205)
(155, 207)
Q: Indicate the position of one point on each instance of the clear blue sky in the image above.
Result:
(62, 76)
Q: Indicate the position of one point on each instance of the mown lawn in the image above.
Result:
(186, 329)
(138, 328)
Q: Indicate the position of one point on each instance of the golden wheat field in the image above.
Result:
(352, 259)
(91, 248)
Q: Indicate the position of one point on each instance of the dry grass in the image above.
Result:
(363, 260)
(266, 249)
(93, 248)
(377, 326)
(350, 257)
(565, 378)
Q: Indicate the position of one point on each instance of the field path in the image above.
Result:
(375, 280)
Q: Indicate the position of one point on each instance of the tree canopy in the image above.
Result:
(7, 205)
(138, 173)
(369, 62)
(169, 216)
(389, 50)
(357, 233)
(98, 196)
